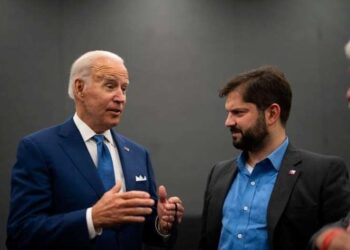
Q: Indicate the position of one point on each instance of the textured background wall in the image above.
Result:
(179, 53)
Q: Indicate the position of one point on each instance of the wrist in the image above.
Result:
(162, 232)
(329, 237)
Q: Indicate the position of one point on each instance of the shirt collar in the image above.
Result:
(87, 133)
(275, 157)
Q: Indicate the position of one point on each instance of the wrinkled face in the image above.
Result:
(246, 123)
(101, 101)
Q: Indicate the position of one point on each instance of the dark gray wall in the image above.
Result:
(179, 53)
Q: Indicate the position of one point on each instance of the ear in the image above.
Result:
(79, 85)
(272, 114)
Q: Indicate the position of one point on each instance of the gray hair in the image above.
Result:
(347, 50)
(81, 68)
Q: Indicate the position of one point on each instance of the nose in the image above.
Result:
(230, 120)
(119, 96)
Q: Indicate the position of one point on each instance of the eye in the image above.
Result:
(110, 85)
(124, 87)
(238, 113)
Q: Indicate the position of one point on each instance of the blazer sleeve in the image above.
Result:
(32, 222)
(343, 223)
(336, 198)
(203, 235)
(335, 192)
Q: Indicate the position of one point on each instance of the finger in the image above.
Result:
(170, 210)
(180, 207)
(165, 225)
(117, 187)
(162, 194)
(348, 229)
(134, 194)
(132, 219)
(137, 202)
(168, 218)
(136, 211)
(179, 216)
(174, 199)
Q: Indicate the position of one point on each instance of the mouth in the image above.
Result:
(115, 111)
(235, 133)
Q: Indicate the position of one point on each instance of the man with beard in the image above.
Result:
(272, 196)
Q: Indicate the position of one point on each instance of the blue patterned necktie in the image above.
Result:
(104, 163)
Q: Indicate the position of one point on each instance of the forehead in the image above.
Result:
(234, 100)
(109, 68)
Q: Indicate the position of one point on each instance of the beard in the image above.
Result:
(253, 138)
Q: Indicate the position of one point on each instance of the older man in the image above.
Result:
(335, 236)
(79, 185)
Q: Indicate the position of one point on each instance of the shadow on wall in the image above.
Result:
(188, 235)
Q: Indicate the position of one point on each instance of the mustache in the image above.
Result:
(235, 130)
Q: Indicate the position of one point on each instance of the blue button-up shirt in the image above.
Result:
(244, 222)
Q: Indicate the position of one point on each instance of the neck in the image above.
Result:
(271, 142)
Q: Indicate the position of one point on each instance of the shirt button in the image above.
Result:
(245, 208)
(239, 236)
(252, 183)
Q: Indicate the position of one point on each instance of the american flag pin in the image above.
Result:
(127, 149)
(292, 172)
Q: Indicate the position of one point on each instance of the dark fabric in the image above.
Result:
(301, 203)
(54, 181)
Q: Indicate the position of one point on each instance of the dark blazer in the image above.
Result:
(301, 203)
(55, 180)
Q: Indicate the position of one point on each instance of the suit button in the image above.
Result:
(239, 236)
(252, 183)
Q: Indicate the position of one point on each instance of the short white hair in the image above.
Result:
(81, 68)
(347, 49)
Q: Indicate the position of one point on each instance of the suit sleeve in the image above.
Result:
(32, 222)
(203, 235)
(335, 192)
(343, 223)
(335, 195)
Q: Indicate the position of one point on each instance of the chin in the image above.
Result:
(115, 122)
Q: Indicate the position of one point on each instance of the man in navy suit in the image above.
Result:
(59, 200)
(273, 196)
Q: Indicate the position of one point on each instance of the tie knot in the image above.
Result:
(99, 138)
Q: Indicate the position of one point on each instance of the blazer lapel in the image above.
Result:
(125, 154)
(73, 145)
(286, 179)
(218, 193)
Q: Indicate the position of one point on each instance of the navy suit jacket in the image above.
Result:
(54, 181)
(311, 190)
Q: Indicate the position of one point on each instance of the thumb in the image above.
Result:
(162, 194)
(117, 187)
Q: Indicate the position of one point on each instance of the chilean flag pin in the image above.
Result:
(292, 172)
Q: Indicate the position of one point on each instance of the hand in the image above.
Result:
(340, 240)
(166, 210)
(117, 207)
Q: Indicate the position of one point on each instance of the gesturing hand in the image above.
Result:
(167, 208)
(117, 207)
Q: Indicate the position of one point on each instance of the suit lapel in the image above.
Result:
(73, 145)
(225, 182)
(125, 154)
(220, 188)
(286, 179)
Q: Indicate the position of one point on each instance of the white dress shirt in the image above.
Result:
(87, 133)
